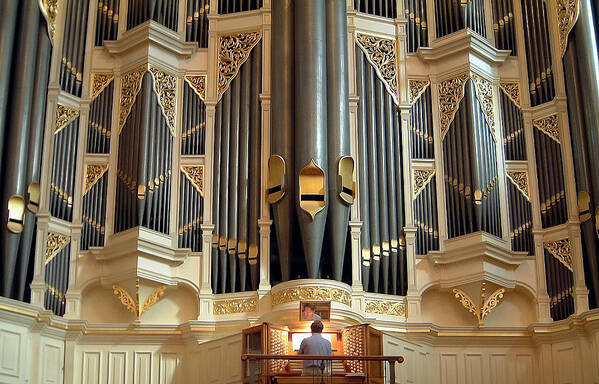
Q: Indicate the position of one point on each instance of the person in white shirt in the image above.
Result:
(316, 345)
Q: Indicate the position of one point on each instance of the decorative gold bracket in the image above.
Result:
(227, 307)
(93, 173)
(49, 9)
(512, 90)
(451, 93)
(550, 126)
(389, 308)
(567, 14)
(198, 84)
(485, 96)
(417, 88)
(99, 82)
(233, 51)
(421, 177)
(486, 304)
(195, 175)
(54, 244)
(561, 250)
(130, 87)
(165, 87)
(382, 54)
(520, 180)
(64, 116)
(135, 306)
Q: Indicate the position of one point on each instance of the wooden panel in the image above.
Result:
(409, 355)
(117, 362)
(169, 363)
(498, 369)
(142, 368)
(524, 369)
(91, 368)
(52, 364)
(10, 352)
(566, 365)
(449, 368)
(474, 368)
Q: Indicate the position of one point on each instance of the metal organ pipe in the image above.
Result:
(255, 191)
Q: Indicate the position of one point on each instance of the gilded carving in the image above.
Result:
(227, 307)
(567, 14)
(451, 93)
(520, 180)
(550, 126)
(484, 94)
(198, 84)
(165, 87)
(54, 244)
(130, 87)
(134, 305)
(382, 54)
(486, 306)
(93, 173)
(421, 177)
(64, 116)
(512, 90)
(99, 82)
(312, 293)
(561, 250)
(195, 175)
(233, 51)
(417, 88)
(50, 11)
(390, 308)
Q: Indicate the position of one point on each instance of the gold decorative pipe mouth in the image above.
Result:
(312, 189)
(16, 214)
(277, 171)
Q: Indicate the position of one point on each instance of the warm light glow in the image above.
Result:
(297, 338)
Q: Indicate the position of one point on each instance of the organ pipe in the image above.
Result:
(452, 16)
(196, 25)
(73, 46)
(164, 12)
(384, 8)
(234, 6)
(416, 29)
(107, 21)
(503, 25)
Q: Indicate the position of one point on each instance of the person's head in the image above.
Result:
(317, 326)
(309, 309)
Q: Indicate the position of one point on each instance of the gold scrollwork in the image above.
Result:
(550, 126)
(130, 87)
(484, 94)
(133, 305)
(93, 173)
(54, 244)
(520, 180)
(382, 54)
(233, 51)
(226, 307)
(99, 82)
(198, 84)
(165, 87)
(50, 11)
(561, 250)
(567, 14)
(512, 90)
(390, 308)
(421, 177)
(64, 116)
(486, 306)
(417, 88)
(195, 175)
(451, 92)
(312, 293)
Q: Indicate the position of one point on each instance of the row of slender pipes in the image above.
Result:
(453, 15)
(384, 8)
(73, 46)
(503, 25)
(417, 28)
(234, 6)
(421, 127)
(191, 215)
(196, 23)
(560, 286)
(100, 120)
(56, 276)
(520, 220)
(94, 215)
(63, 171)
(164, 12)
(194, 123)
(107, 21)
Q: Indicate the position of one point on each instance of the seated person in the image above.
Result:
(309, 314)
(318, 346)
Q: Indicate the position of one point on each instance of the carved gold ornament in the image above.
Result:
(227, 307)
(484, 94)
(198, 84)
(99, 82)
(312, 293)
(233, 51)
(165, 87)
(421, 177)
(130, 87)
(512, 90)
(520, 180)
(417, 88)
(54, 244)
(561, 250)
(64, 116)
(135, 306)
(50, 11)
(451, 92)
(382, 54)
(93, 173)
(567, 14)
(486, 306)
(390, 308)
(550, 126)
(195, 175)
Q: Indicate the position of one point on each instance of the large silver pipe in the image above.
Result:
(243, 182)
(391, 189)
(147, 107)
(8, 22)
(310, 127)
(233, 183)
(338, 128)
(255, 196)
(224, 187)
(216, 167)
(381, 139)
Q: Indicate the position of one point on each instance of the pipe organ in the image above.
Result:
(234, 145)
